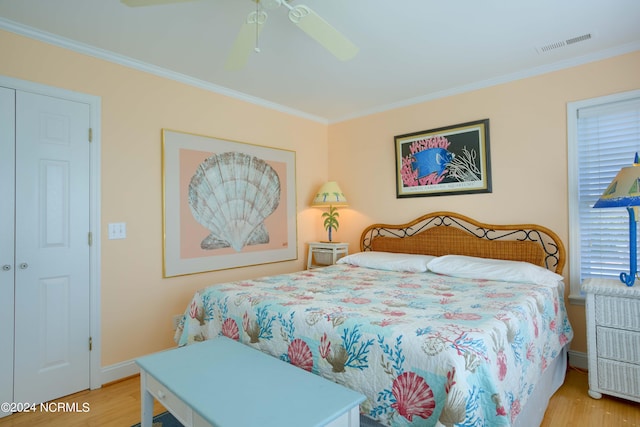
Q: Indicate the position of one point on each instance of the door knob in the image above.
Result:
(24, 266)
(6, 267)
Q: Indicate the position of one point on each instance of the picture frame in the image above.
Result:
(226, 204)
(444, 161)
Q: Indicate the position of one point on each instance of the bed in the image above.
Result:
(442, 321)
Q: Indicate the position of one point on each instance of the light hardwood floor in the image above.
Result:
(118, 405)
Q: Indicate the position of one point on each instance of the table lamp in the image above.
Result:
(624, 191)
(330, 195)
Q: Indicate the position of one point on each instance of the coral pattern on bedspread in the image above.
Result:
(425, 349)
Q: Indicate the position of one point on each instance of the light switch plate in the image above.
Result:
(117, 230)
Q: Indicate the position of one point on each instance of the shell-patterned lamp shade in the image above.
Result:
(330, 194)
(624, 190)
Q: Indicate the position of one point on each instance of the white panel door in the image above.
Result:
(52, 253)
(7, 156)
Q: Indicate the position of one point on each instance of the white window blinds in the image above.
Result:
(608, 136)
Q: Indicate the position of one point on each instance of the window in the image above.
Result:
(604, 135)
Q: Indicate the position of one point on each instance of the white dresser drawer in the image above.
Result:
(619, 378)
(617, 312)
(618, 344)
(169, 400)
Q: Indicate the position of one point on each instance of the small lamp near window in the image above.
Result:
(330, 195)
(624, 191)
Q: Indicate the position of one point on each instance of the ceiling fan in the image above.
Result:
(303, 16)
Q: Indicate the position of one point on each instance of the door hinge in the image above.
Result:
(90, 238)
(90, 135)
(90, 343)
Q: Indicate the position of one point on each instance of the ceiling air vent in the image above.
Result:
(562, 43)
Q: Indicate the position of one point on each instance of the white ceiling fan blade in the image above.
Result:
(246, 41)
(136, 3)
(322, 32)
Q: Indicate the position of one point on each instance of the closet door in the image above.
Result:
(52, 280)
(7, 163)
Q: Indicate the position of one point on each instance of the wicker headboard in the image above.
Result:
(444, 233)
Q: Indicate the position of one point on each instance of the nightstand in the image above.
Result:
(613, 338)
(322, 254)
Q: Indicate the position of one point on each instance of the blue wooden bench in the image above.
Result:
(222, 383)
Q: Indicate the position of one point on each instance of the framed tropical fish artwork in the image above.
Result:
(444, 161)
(226, 204)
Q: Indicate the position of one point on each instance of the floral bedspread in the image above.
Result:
(425, 349)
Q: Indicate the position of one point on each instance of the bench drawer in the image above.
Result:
(177, 407)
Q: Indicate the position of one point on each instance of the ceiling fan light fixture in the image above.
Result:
(257, 18)
(297, 13)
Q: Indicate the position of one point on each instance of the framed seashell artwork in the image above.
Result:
(226, 204)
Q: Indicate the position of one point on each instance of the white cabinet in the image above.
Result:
(613, 338)
(322, 254)
(44, 246)
(7, 156)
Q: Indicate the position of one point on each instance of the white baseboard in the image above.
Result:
(578, 359)
(119, 371)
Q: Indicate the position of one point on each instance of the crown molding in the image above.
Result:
(126, 61)
(507, 78)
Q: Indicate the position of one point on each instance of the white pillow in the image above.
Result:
(493, 269)
(388, 261)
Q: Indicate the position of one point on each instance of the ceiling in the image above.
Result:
(409, 50)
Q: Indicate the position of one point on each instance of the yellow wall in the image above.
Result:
(137, 303)
(528, 146)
